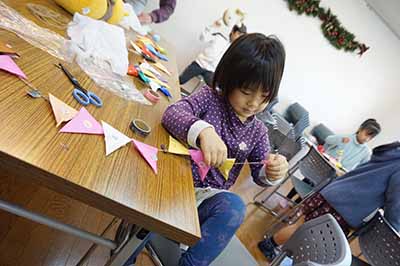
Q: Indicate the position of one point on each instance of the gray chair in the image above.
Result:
(165, 252)
(321, 132)
(380, 242)
(313, 167)
(318, 242)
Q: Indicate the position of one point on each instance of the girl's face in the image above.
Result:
(246, 102)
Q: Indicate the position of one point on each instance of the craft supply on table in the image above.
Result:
(152, 96)
(80, 94)
(140, 127)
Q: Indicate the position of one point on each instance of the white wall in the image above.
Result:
(339, 89)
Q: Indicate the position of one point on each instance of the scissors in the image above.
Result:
(80, 94)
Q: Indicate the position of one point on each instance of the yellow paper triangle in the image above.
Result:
(62, 111)
(176, 147)
(226, 167)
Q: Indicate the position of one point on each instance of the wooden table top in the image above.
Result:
(122, 183)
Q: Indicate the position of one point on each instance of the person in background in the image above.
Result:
(208, 59)
(352, 150)
(352, 197)
(162, 14)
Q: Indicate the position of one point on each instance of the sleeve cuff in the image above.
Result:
(265, 180)
(194, 132)
(154, 17)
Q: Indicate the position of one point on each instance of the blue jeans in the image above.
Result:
(194, 70)
(220, 216)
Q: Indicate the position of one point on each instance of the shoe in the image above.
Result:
(267, 248)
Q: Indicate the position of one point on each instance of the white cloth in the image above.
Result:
(131, 21)
(100, 42)
(216, 47)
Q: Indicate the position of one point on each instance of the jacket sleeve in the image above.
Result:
(183, 119)
(166, 9)
(392, 201)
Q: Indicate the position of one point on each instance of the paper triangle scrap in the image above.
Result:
(176, 147)
(226, 167)
(198, 158)
(114, 138)
(83, 122)
(148, 152)
(7, 64)
(62, 111)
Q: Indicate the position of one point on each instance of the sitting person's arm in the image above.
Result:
(166, 9)
(392, 201)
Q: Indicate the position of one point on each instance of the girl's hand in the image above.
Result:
(213, 148)
(276, 166)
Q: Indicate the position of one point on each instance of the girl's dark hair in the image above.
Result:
(371, 126)
(252, 61)
(242, 28)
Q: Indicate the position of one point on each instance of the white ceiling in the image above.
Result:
(389, 11)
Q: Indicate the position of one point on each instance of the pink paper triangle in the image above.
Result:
(148, 152)
(7, 64)
(83, 122)
(198, 158)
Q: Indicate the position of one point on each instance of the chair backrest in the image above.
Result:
(285, 145)
(315, 168)
(321, 132)
(295, 112)
(283, 126)
(380, 242)
(320, 241)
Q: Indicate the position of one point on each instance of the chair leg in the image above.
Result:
(278, 260)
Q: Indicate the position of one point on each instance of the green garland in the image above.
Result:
(337, 35)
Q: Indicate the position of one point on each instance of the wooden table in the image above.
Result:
(75, 165)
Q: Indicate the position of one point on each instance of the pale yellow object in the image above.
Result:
(162, 68)
(95, 9)
(226, 167)
(176, 147)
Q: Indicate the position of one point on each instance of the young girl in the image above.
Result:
(221, 122)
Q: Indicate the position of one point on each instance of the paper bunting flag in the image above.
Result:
(62, 111)
(197, 157)
(83, 122)
(226, 167)
(176, 147)
(148, 152)
(7, 64)
(114, 138)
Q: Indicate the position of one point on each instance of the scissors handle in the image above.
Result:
(81, 97)
(94, 99)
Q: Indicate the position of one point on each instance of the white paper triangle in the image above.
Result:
(114, 138)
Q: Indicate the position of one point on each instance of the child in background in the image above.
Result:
(208, 59)
(352, 150)
(221, 122)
